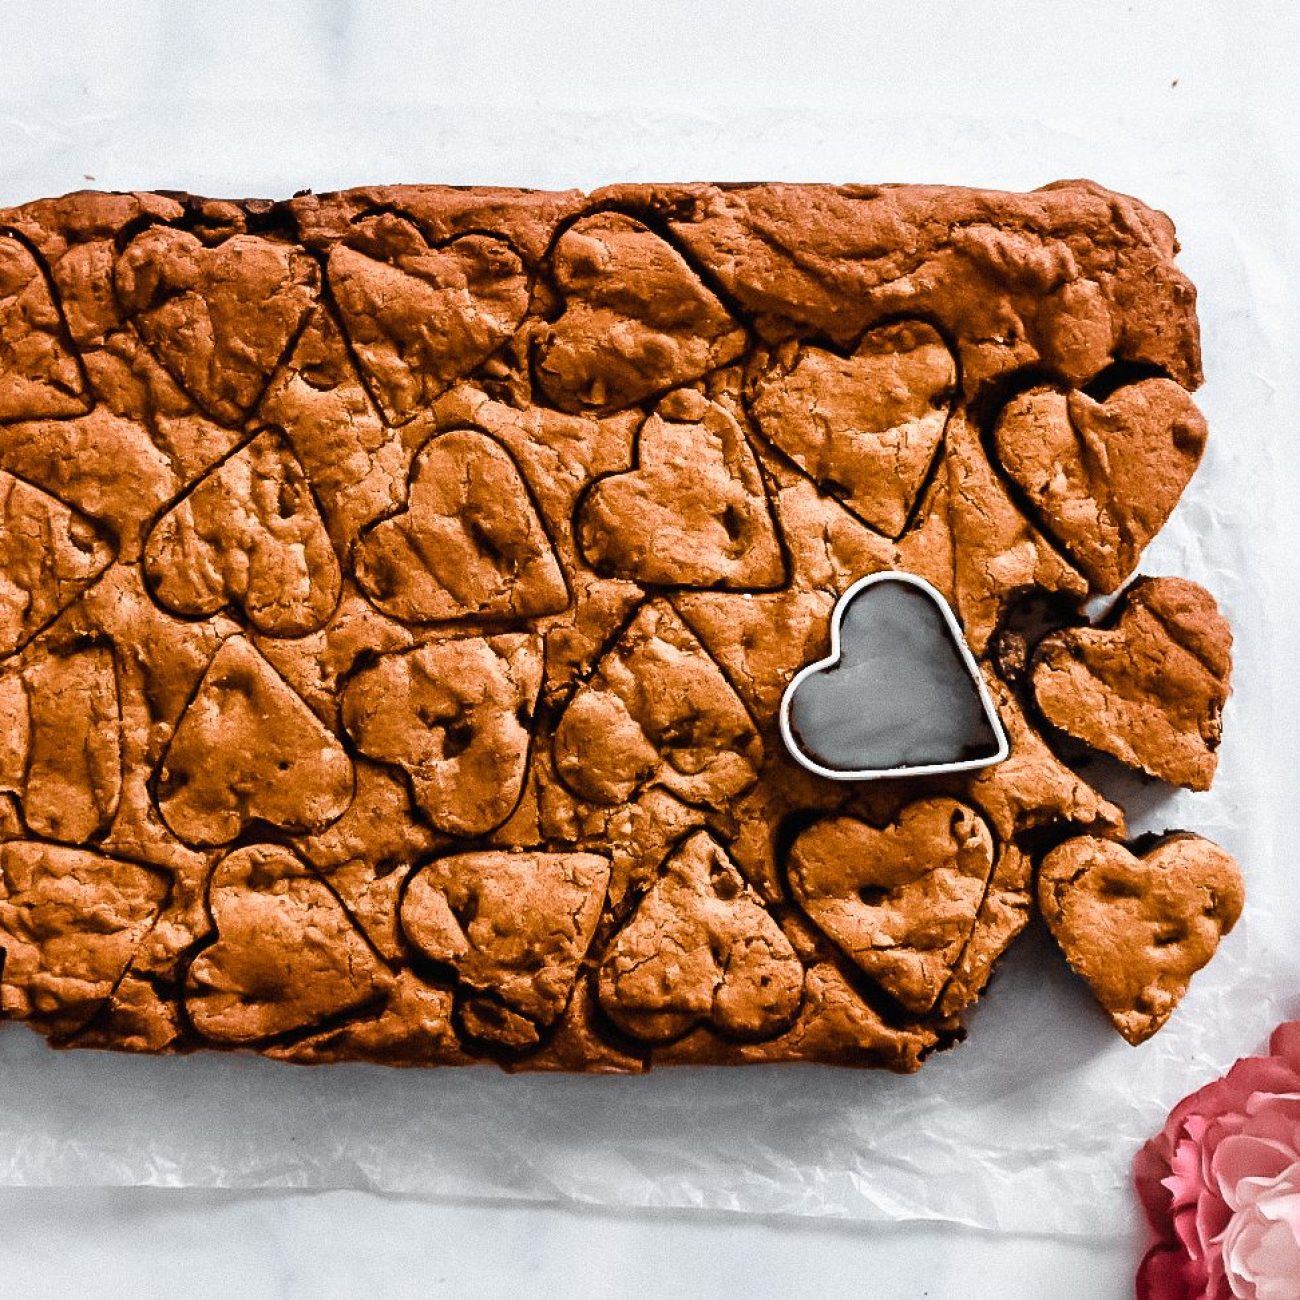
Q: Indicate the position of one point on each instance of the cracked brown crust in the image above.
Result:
(398, 588)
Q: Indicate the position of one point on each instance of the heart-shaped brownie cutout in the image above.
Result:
(247, 534)
(692, 513)
(286, 956)
(900, 900)
(865, 428)
(40, 376)
(1147, 687)
(657, 710)
(1138, 928)
(700, 947)
(468, 544)
(49, 554)
(219, 319)
(636, 321)
(70, 922)
(61, 739)
(420, 318)
(899, 694)
(248, 749)
(454, 715)
(1102, 476)
(514, 927)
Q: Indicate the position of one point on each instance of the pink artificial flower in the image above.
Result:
(1221, 1185)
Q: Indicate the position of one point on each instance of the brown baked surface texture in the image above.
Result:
(398, 588)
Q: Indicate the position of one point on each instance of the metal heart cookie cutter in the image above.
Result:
(900, 693)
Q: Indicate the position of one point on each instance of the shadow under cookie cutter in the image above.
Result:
(871, 710)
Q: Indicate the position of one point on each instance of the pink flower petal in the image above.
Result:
(1244, 1156)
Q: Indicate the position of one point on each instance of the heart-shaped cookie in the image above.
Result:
(1103, 476)
(657, 710)
(61, 739)
(637, 320)
(219, 319)
(1148, 687)
(285, 957)
(865, 428)
(700, 947)
(248, 749)
(247, 534)
(468, 544)
(454, 715)
(514, 928)
(40, 377)
(899, 694)
(1138, 928)
(420, 318)
(692, 513)
(900, 900)
(49, 555)
(70, 922)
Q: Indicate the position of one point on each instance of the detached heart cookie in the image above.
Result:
(514, 927)
(40, 377)
(637, 320)
(191, 304)
(420, 318)
(454, 715)
(248, 749)
(1138, 928)
(864, 428)
(900, 693)
(469, 543)
(1150, 686)
(286, 955)
(247, 534)
(900, 900)
(1103, 476)
(701, 948)
(692, 513)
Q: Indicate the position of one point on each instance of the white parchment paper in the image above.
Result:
(1030, 1125)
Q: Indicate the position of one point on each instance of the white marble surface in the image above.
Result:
(1162, 98)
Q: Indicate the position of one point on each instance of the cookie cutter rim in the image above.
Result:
(795, 750)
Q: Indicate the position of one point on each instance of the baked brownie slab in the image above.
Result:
(398, 589)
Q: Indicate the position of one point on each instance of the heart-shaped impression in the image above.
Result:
(657, 710)
(900, 900)
(454, 716)
(248, 749)
(701, 947)
(468, 544)
(1150, 686)
(70, 922)
(40, 377)
(692, 513)
(865, 428)
(420, 318)
(49, 554)
(247, 534)
(900, 693)
(1138, 928)
(514, 927)
(636, 321)
(1103, 476)
(61, 739)
(219, 319)
(286, 956)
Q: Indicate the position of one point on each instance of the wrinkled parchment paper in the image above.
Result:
(1031, 1124)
